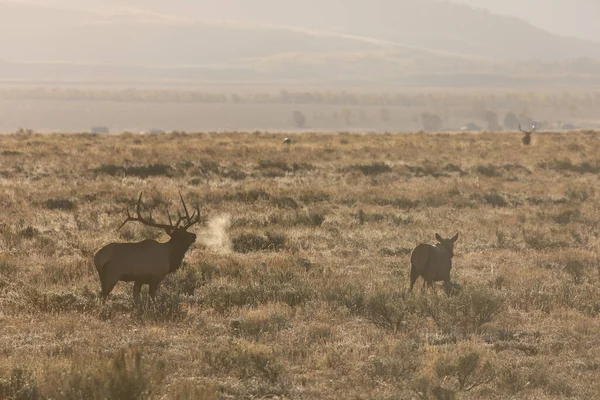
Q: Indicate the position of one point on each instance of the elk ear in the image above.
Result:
(438, 238)
(455, 238)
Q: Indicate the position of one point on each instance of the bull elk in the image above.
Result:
(432, 263)
(527, 138)
(148, 261)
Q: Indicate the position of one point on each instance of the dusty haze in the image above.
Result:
(93, 63)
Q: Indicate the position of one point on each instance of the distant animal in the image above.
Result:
(148, 261)
(432, 263)
(527, 138)
(287, 141)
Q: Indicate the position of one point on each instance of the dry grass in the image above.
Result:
(296, 287)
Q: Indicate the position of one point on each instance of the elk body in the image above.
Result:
(148, 261)
(432, 263)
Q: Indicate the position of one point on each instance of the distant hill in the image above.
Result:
(402, 41)
(434, 24)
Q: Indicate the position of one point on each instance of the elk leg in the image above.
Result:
(152, 291)
(412, 283)
(448, 287)
(432, 286)
(108, 283)
(137, 287)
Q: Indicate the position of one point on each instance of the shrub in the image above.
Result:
(375, 168)
(19, 385)
(576, 269)
(426, 170)
(249, 242)
(495, 199)
(466, 369)
(59, 204)
(568, 166)
(488, 170)
(123, 376)
(257, 291)
(347, 295)
(56, 302)
(308, 219)
(29, 232)
(257, 322)
(167, 307)
(386, 310)
(252, 196)
(271, 164)
(7, 269)
(234, 174)
(284, 202)
(466, 312)
(245, 360)
(399, 202)
(185, 281)
(567, 216)
(314, 197)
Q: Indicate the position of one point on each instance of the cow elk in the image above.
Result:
(527, 138)
(148, 261)
(433, 263)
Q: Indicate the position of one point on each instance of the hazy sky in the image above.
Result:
(577, 18)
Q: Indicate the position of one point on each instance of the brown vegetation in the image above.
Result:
(305, 296)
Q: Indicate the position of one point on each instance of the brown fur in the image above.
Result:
(146, 262)
(432, 263)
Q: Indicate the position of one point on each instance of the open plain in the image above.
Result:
(296, 286)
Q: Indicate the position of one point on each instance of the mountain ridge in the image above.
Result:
(118, 40)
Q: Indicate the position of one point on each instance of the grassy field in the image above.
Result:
(297, 285)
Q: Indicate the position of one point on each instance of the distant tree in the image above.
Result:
(511, 121)
(431, 122)
(525, 120)
(236, 98)
(347, 115)
(299, 119)
(384, 115)
(491, 118)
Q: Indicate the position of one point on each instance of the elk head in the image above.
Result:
(527, 138)
(447, 243)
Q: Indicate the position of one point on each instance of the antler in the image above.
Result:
(143, 220)
(194, 219)
(526, 132)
